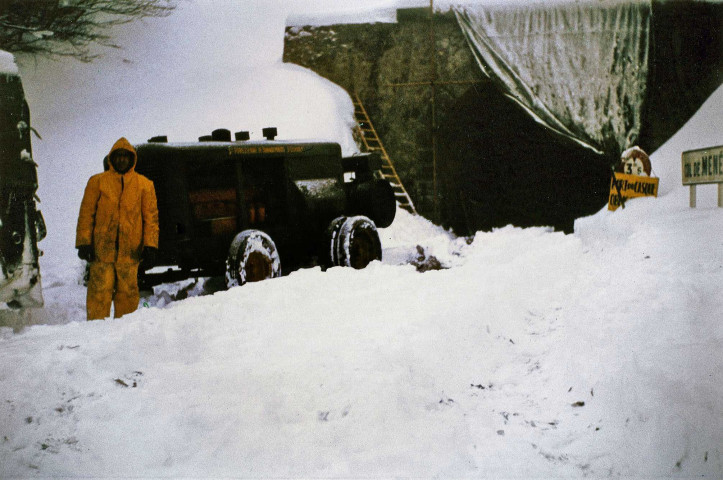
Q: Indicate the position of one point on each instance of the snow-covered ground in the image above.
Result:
(531, 354)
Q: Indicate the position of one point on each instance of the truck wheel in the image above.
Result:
(353, 242)
(252, 257)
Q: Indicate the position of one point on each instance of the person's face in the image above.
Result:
(121, 161)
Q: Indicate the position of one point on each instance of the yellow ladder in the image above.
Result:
(372, 143)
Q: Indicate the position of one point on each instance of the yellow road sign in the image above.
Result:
(631, 186)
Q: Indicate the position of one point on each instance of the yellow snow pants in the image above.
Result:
(115, 283)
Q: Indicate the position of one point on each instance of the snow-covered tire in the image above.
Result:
(353, 242)
(252, 257)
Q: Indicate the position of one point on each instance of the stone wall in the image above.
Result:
(495, 166)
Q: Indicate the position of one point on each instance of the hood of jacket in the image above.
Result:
(123, 144)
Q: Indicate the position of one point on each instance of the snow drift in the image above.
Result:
(529, 353)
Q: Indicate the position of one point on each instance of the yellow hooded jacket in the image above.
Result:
(118, 214)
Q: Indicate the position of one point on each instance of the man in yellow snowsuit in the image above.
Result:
(117, 229)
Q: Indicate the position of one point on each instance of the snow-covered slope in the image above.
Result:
(534, 354)
(537, 355)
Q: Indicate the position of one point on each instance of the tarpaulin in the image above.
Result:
(578, 68)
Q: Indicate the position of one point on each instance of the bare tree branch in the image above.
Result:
(68, 28)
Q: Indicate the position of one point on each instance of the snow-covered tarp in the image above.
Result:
(580, 68)
(608, 75)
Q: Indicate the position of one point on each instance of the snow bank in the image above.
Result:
(539, 355)
(702, 130)
(414, 239)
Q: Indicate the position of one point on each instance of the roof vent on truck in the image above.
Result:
(242, 136)
(269, 133)
(221, 135)
(158, 139)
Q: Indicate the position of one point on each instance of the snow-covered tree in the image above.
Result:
(69, 27)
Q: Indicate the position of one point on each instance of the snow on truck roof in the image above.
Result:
(248, 148)
(7, 63)
(250, 144)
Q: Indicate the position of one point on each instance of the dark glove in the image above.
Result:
(148, 257)
(85, 252)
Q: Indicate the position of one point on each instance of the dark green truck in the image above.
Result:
(251, 210)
